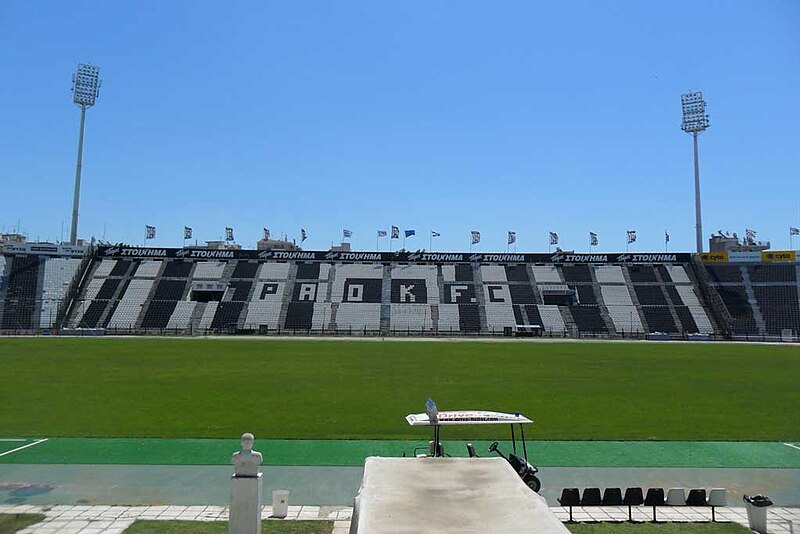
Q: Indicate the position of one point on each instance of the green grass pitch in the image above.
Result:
(362, 389)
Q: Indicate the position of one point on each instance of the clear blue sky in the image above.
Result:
(454, 116)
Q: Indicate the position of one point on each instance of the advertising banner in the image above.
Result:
(779, 255)
(749, 257)
(714, 257)
(386, 257)
(44, 248)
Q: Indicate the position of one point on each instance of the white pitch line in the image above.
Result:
(792, 446)
(37, 442)
(13, 439)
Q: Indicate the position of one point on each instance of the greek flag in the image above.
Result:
(149, 232)
(476, 237)
(512, 237)
(592, 239)
(266, 234)
(303, 235)
(435, 234)
(381, 233)
(395, 232)
(347, 233)
(794, 231)
(631, 236)
(187, 232)
(553, 238)
(750, 234)
(666, 236)
(409, 233)
(228, 233)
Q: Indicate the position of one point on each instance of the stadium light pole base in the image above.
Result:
(245, 511)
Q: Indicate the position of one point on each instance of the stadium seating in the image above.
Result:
(148, 269)
(725, 273)
(736, 301)
(779, 307)
(588, 319)
(773, 272)
(182, 315)
(546, 274)
(20, 299)
(626, 319)
(130, 306)
(208, 270)
(58, 275)
(552, 321)
(609, 274)
(371, 297)
(641, 273)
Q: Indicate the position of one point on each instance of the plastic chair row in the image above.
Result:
(635, 497)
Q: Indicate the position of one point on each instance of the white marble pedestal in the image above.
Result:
(245, 512)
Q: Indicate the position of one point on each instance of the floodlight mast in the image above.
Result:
(694, 122)
(85, 90)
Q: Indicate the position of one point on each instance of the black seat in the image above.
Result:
(570, 497)
(654, 498)
(612, 497)
(591, 497)
(471, 450)
(633, 497)
(697, 497)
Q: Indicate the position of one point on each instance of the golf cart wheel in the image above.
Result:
(533, 483)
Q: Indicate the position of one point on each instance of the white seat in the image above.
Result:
(717, 497)
(448, 318)
(625, 318)
(546, 273)
(609, 274)
(148, 269)
(357, 316)
(552, 320)
(58, 275)
(263, 312)
(493, 273)
(104, 267)
(676, 497)
(410, 317)
(208, 270)
(182, 315)
(208, 315)
(616, 295)
(678, 274)
(273, 271)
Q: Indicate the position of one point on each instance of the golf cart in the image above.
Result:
(433, 417)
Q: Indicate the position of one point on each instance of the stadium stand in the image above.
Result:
(223, 293)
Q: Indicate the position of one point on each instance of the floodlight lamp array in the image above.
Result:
(86, 85)
(693, 106)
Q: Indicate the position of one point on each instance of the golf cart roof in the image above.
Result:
(468, 417)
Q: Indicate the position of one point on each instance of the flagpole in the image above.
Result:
(430, 247)
(377, 248)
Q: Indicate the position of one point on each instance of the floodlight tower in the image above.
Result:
(695, 121)
(85, 90)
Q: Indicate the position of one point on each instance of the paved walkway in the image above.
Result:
(115, 519)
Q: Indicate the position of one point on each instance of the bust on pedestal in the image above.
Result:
(245, 511)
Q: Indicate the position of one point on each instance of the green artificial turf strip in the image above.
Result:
(13, 522)
(212, 527)
(138, 451)
(362, 390)
(658, 528)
